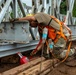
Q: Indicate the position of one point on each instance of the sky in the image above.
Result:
(28, 2)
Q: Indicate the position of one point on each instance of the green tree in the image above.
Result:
(63, 7)
(74, 9)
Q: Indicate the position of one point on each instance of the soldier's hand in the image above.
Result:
(33, 52)
(13, 20)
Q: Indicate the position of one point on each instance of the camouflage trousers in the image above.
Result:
(57, 51)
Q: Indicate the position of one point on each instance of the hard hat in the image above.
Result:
(30, 15)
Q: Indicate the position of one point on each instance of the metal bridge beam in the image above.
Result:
(21, 7)
(1, 2)
(15, 4)
(4, 9)
(15, 32)
(9, 49)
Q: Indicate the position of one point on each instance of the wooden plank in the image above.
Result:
(22, 67)
(36, 68)
(45, 72)
(32, 69)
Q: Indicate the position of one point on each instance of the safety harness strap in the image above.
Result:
(50, 21)
(67, 53)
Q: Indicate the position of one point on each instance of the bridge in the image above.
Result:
(19, 36)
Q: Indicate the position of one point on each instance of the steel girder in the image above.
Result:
(15, 32)
(4, 9)
(9, 49)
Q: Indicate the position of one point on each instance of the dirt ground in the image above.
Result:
(9, 62)
(65, 69)
(4, 67)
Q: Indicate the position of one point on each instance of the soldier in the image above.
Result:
(53, 29)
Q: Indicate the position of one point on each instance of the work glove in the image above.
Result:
(13, 20)
(34, 52)
(36, 49)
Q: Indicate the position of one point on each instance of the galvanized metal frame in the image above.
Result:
(4, 9)
(9, 49)
(53, 8)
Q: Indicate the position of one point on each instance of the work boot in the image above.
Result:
(71, 61)
(70, 58)
(73, 56)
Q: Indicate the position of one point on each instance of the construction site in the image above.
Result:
(18, 39)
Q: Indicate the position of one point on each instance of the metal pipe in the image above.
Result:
(15, 8)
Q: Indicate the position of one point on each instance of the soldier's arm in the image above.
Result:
(29, 18)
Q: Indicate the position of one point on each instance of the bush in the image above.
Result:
(74, 9)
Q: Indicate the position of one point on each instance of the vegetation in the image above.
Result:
(74, 9)
(63, 8)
